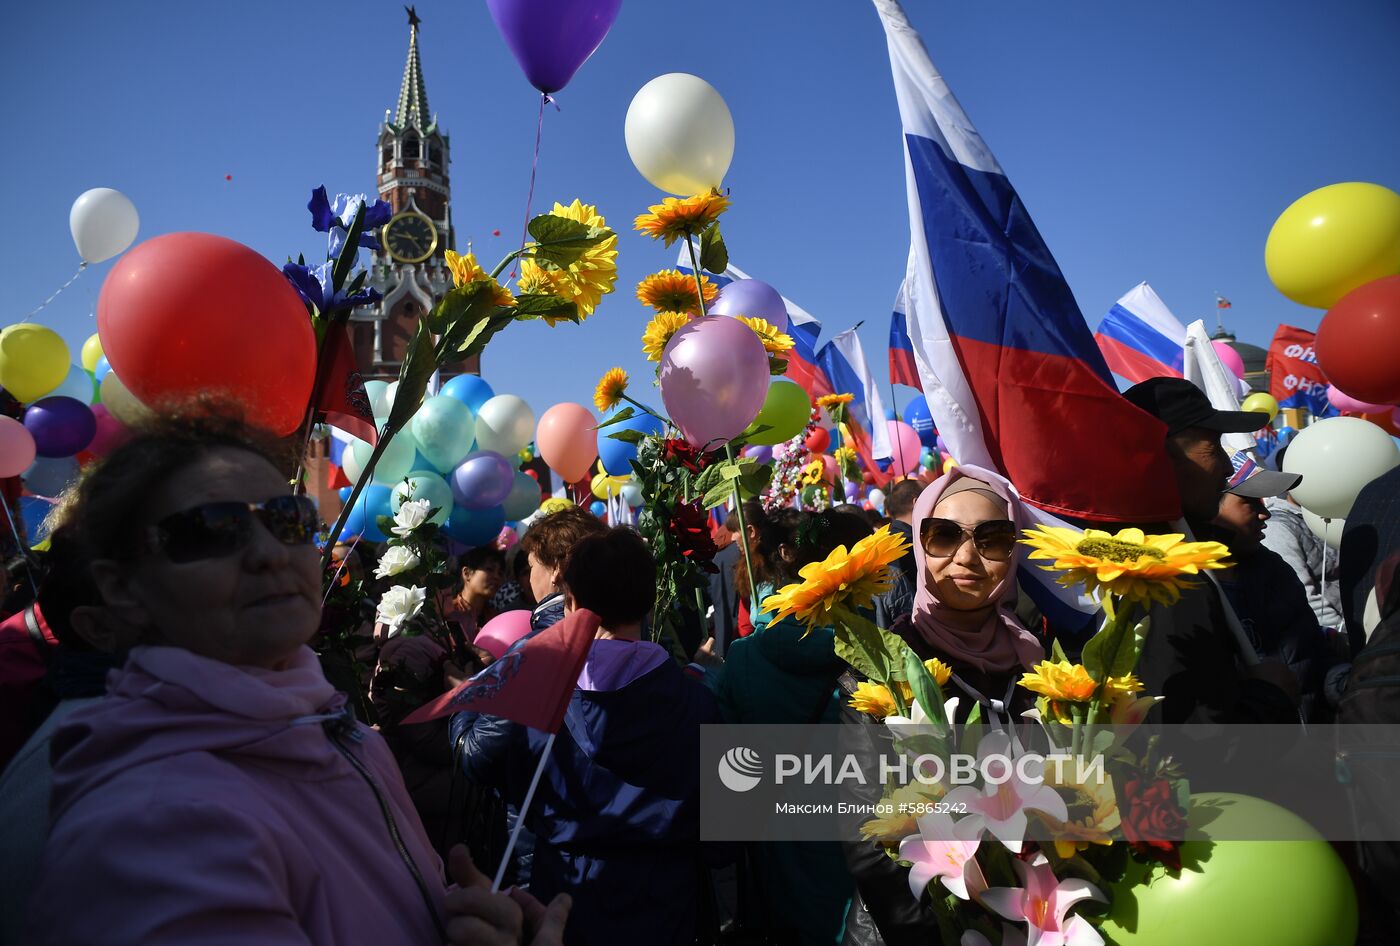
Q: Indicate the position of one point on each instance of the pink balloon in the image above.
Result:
(1229, 358)
(111, 433)
(829, 469)
(567, 441)
(503, 630)
(1350, 405)
(904, 448)
(16, 447)
(714, 377)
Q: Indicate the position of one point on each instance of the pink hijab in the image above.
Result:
(1001, 643)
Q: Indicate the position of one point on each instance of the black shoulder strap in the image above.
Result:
(36, 634)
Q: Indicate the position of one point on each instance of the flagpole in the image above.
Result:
(524, 810)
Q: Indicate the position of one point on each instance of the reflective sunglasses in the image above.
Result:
(995, 539)
(215, 530)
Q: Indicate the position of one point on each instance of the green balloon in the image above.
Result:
(1245, 893)
(786, 410)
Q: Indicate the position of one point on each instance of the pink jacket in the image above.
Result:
(205, 803)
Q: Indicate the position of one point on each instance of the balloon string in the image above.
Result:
(545, 99)
(51, 298)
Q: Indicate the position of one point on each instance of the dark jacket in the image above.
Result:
(1372, 534)
(724, 597)
(616, 814)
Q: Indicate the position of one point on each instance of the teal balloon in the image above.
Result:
(1292, 892)
(444, 428)
(475, 526)
(786, 410)
(78, 385)
(363, 520)
(394, 463)
(470, 390)
(427, 486)
(524, 497)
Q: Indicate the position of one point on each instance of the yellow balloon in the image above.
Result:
(33, 360)
(1333, 240)
(92, 352)
(1259, 401)
(948, 465)
(121, 403)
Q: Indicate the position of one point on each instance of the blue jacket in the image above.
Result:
(616, 814)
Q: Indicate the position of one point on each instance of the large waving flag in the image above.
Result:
(1140, 338)
(842, 360)
(1295, 380)
(1012, 376)
(804, 329)
(903, 368)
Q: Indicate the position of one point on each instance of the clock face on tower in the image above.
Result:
(410, 237)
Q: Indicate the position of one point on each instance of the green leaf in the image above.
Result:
(926, 689)
(547, 228)
(537, 305)
(973, 730)
(627, 413)
(419, 363)
(560, 241)
(1057, 653)
(1113, 651)
(453, 307)
(714, 256)
(871, 651)
(713, 476)
(633, 437)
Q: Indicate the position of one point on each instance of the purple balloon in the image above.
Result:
(60, 426)
(752, 298)
(852, 492)
(552, 38)
(714, 377)
(482, 480)
(759, 452)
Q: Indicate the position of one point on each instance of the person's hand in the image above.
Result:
(453, 675)
(705, 655)
(1277, 673)
(478, 917)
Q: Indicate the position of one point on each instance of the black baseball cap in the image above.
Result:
(1179, 404)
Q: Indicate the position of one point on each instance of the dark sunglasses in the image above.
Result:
(215, 530)
(995, 539)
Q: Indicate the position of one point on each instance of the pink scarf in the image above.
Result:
(1001, 642)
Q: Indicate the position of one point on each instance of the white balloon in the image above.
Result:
(1336, 457)
(121, 403)
(104, 222)
(680, 134)
(504, 424)
(632, 495)
(877, 499)
(78, 385)
(1328, 530)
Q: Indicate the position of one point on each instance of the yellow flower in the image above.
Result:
(1095, 802)
(774, 341)
(609, 390)
(583, 282)
(843, 581)
(873, 698)
(938, 670)
(813, 473)
(465, 271)
(1131, 564)
(891, 828)
(673, 291)
(832, 400)
(1061, 681)
(659, 331)
(676, 217)
(1117, 687)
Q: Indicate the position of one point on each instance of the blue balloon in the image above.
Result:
(100, 370)
(473, 527)
(470, 390)
(617, 455)
(364, 518)
(890, 414)
(32, 511)
(344, 492)
(50, 476)
(597, 508)
(917, 415)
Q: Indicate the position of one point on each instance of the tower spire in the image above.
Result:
(413, 94)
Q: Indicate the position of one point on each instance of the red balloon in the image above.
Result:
(192, 313)
(1357, 341)
(817, 441)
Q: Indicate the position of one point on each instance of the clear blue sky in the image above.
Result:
(1151, 141)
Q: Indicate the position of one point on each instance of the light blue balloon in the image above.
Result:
(49, 476)
(617, 455)
(394, 462)
(421, 464)
(427, 486)
(100, 370)
(597, 508)
(444, 429)
(32, 511)
(469, 389)
(473, 527)
(364, 518)
(344, 492)
(524, 496)
(78, 385)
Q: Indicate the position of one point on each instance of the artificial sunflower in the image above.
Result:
(676, 217)
(834, 400)
(1096, 804)
(814, 473)
(873, 698)
(937, 669)
(774, 341)
(904, 805)
(841, 583)
(609, 390)
(673, 291)
(1060, 681)
(466, 270)
(585, 281)
(1132, 565)
(659, 331)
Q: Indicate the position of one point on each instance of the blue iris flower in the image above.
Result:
(335, 218)
(313, 284)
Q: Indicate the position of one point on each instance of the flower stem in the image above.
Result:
(385, 435)
(495, 273)
(743, 527)
(644, 409)
(695, 269)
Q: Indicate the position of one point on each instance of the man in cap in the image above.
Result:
(1192, 656)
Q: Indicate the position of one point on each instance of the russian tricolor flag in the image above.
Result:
(1140, 338)
(842, 361)
(903, 368)
(802, 326)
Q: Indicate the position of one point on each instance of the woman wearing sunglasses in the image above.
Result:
(221, 791)
(966, 524)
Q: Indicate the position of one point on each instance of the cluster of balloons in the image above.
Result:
(1338, 248)
(457, 451)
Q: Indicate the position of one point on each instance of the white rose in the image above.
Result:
(399, 605)
(412, 514)
(397, 559)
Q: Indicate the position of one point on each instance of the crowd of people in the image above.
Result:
(184, 762)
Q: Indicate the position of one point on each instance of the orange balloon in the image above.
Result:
(567, 441)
